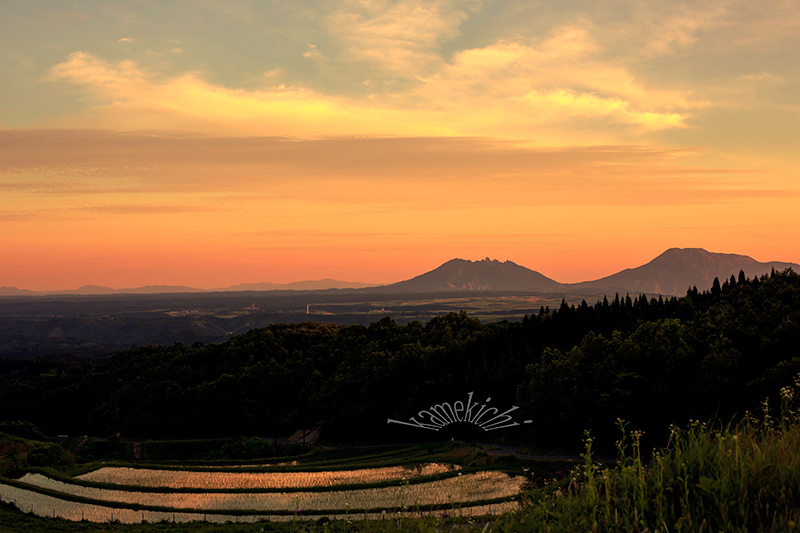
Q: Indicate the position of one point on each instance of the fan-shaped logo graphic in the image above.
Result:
(440, 415)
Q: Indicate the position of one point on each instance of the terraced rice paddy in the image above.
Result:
(143, 477)
(133, 495)
(472, 487)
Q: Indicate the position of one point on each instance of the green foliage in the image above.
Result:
(17, 454)
(188, 449)
(742, 478)
(709, 354)
(21, 429)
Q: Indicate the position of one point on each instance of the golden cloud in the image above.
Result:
(495, 92)
(398, 37)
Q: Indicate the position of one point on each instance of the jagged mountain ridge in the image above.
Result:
(487, 274)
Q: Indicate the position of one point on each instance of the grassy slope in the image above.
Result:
(744, 479)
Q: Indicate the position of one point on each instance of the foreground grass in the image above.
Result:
(744, 479)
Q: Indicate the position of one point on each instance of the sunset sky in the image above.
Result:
(214, 142)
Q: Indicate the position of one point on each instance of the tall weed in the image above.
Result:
(743, 477)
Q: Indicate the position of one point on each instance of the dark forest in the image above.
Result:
(714, 355)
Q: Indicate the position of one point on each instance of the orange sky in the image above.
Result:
(374, 140)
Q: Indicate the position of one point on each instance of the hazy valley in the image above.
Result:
(83, 323)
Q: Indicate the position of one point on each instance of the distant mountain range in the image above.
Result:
(671, 273)
(316, 285)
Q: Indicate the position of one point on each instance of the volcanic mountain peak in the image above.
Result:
(484, 275)
(679, 269)
(700, 256)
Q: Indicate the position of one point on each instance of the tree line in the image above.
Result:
(651, 361)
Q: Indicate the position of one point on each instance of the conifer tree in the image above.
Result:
(715, 287)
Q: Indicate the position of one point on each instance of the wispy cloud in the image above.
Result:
(553, 81)
(680, 27)
(131, 209)
(764, 77)
(79, 16)
(399, 37)
(313, 52)
(124, 95)
(499, 84)
(389, 174)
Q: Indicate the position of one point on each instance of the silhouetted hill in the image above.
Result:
(679, 269)
(322, 284)
(147, 289)
(485, 275)
(89, 289)
(316, 285)
(13, 291)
